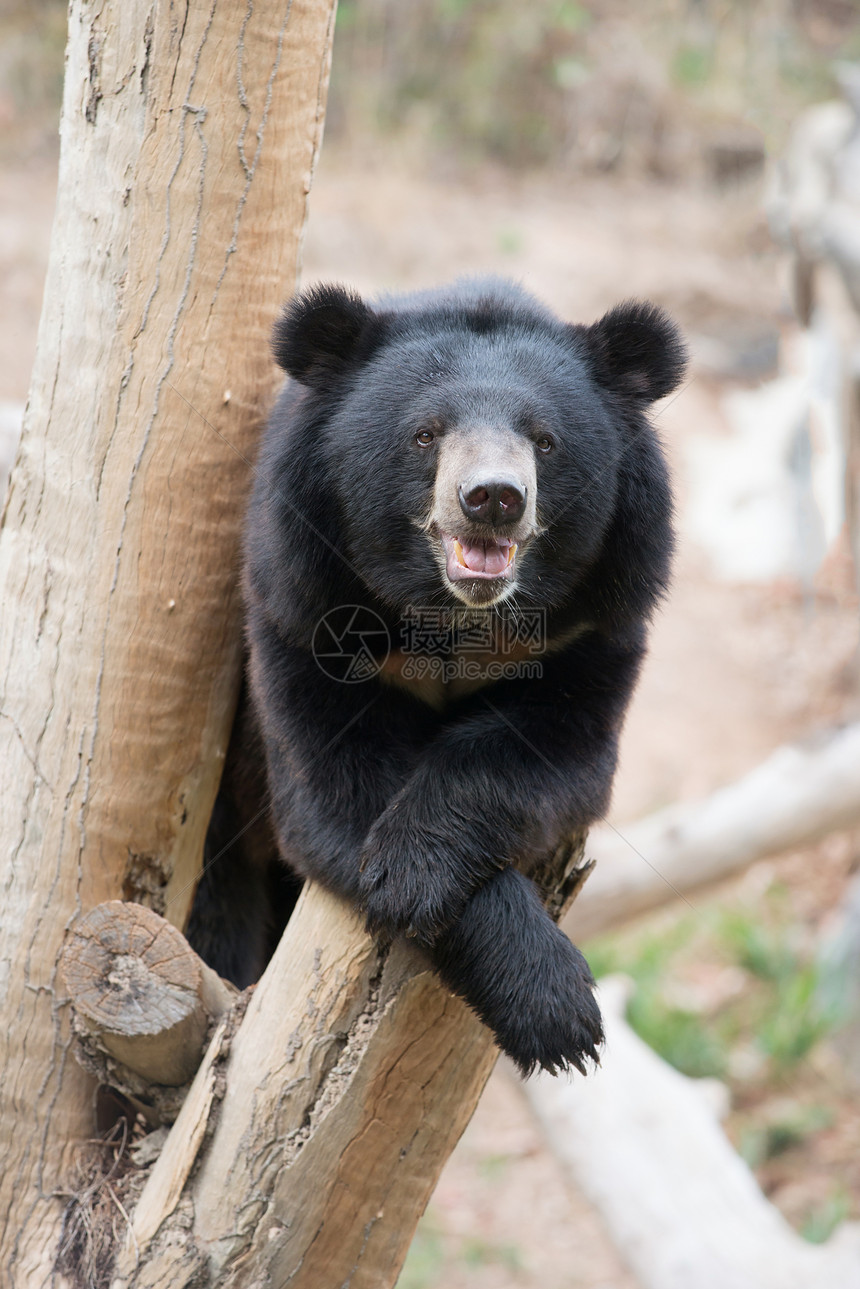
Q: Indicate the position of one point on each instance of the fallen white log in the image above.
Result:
(681, 1206)
(795, 798)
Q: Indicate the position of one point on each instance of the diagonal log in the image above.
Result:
(795, 798)
(312, 1136)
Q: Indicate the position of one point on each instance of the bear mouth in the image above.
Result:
(482, 559)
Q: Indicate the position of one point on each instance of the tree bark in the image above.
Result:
(311, 1140)
(349, 1082)
(188, 140)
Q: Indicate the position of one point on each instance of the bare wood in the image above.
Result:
(814, 211)
(644, 1144)
(852, 469)
(140, 993)
(176, 1160)
(349, 1081)
(189, 135)
(795, 798)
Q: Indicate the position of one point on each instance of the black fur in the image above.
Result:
(636, 351)
(522, 975)
(422, 816)
(244, 896)
(321, 333)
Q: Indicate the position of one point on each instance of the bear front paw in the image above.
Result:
(559, 1023)
(523, 977)
(405, 892)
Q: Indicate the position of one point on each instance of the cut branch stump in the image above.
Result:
(141, 997)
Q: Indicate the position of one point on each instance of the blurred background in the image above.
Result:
(700, 153)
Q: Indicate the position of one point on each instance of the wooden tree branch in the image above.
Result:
(795, 798)
(313, 1134)
(189, 135)
(349, 1081)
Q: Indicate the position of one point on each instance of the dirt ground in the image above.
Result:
(733, 670)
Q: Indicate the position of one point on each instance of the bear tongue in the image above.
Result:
(485, 557)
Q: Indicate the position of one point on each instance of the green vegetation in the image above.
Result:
(782, 1013)
(32, 43)
(581, 85)
(795, 1016)
(425, 1259)
(736, 991)
(823, 1220)
(493, 1167)
(761, 1142)
(428, 1256)
(679, 1036)
(757, 947)
(479, 1253)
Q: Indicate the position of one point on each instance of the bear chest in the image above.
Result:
(441, 679)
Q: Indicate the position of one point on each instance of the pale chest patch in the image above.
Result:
(441, 679)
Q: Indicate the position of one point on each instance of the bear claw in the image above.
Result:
(523, 977)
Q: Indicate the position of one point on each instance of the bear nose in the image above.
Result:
(501, 501)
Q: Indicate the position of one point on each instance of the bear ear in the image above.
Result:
(637, 349)
(324, 332)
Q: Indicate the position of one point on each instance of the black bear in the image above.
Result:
(460, 526)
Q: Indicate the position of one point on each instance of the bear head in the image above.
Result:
(478, 450)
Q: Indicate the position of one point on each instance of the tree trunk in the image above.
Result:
(349, 1082)
(189, 136)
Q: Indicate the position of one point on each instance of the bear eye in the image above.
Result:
(424, 438)
(545, 443)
